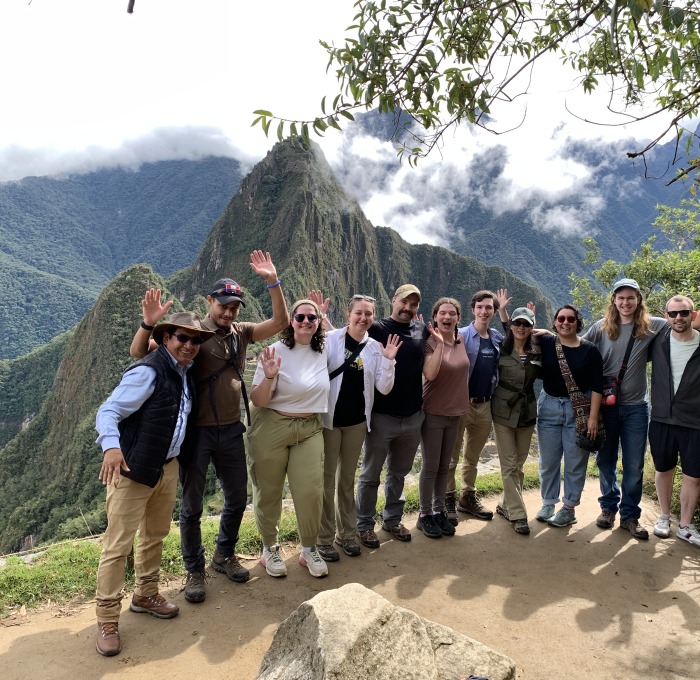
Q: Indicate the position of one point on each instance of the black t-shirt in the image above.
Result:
(585, 362)
(406, 397)
(350, 407)
(481, 379)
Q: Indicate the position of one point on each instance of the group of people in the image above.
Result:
(320, 394)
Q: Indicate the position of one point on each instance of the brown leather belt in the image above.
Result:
(479, 400)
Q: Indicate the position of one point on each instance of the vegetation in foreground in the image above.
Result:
(67, 571)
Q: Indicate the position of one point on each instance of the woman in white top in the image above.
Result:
(290, 390)
(357, 365)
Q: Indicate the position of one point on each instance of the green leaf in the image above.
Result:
(262, 112)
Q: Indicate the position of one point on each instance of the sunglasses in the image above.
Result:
(359, 296)
(299, 318)
(521, 322)
(679, 312)
(566, 319)
(184, 339)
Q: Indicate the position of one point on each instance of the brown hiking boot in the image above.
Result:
(368, 538)
(606, 519)
(451, 510)
(155, 605)
(194, 586)
(229, 566)
(108, 640)
(470, 504)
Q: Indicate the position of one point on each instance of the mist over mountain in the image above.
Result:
(291, 205)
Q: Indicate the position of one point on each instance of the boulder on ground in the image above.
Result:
(354, 634)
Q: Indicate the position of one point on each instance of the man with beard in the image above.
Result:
(675, 416)
(219, 433)
(396, 421)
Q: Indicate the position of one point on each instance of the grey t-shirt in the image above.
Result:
(634, 384)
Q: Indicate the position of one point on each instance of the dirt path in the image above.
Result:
(574, 603)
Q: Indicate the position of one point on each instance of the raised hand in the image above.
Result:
(317, 297)
(502, 297)
(392, 347)
(152, 309)
(531, 306)
(270, 363)
(435, 333)
(261, 264)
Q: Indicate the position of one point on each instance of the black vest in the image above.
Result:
(145, 436)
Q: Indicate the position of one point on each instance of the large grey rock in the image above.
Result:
(354, 634)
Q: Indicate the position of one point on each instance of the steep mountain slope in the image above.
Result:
(62, 240)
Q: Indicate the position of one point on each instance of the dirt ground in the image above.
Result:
(575, 603)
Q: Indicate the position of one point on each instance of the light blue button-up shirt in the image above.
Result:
(136, 386)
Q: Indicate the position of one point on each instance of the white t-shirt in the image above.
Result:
(302, 384)
(680, 353)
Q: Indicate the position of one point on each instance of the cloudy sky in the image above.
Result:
(86, 85)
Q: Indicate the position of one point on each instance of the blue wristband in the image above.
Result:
(274, 285)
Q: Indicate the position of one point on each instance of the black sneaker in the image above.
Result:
(194, 586)
(427, 525)
(229, 566)
(327, 552)
(443, 523)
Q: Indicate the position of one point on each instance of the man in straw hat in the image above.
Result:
(142, 428)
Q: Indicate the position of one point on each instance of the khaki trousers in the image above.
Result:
(133, 507)
(474, 429)
(280, 446)
(513, 446)
(342, 447)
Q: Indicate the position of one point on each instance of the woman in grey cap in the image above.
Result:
(514, 412)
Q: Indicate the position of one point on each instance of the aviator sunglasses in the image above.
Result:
(184, 339)
(299, 318)
(566, 319)
(679, 312)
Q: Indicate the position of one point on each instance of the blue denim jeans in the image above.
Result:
(556, 432)
(625, 425)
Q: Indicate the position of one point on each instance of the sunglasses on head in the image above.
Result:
(184, 339)
(566, 319)
(521, 322)
(679, 312)
(299, 318)
(359, 296)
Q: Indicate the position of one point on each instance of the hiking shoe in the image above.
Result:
(194, 586)
(108, 641)
(545, 512)
(327, 552)
(229, 566)
(636, 529)
(398, 531)
(313, 562)
(690, 534)
(521, 527)
(427, 525)
(273, 562)
(349, 546)
(500, 511)
(443, 523)
(563, 518)
(662, 528)
(470, 504)
(368, 538)
(155, 605)
(606, 519)
(451, 510)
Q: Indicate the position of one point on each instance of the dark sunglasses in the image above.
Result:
(184, 339)
(679, 312)
(521, 322)
(299, 318)
(566, 319)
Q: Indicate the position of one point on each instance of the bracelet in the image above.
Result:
(146, 327)
(275, 284)
(269, 378)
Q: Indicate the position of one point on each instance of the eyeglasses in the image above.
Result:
(184, 339)
(359, 296)
(679, 312)
(566, 319)
(521, 322)
(299, 318)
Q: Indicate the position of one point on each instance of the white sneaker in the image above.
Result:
(689, 534)
(273, 562)
(662, 528)
(313, 562)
